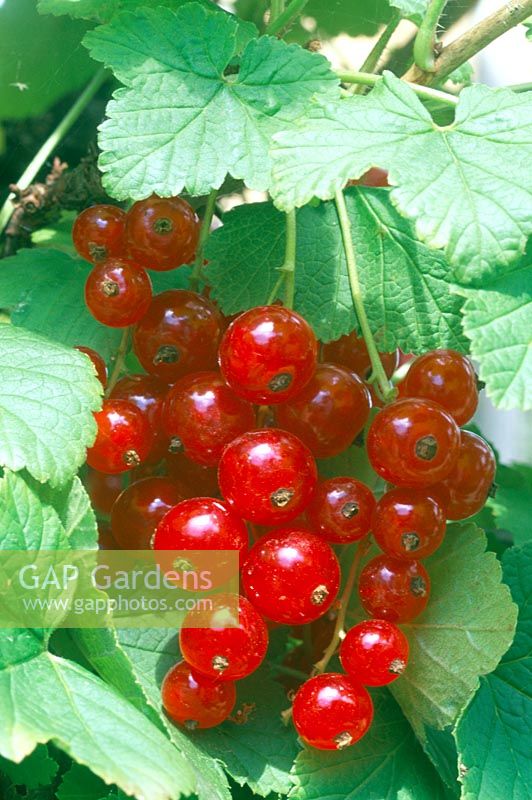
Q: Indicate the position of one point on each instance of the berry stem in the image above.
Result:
(287, 270)
(426, 36)
(374, 56)
(284, 18)
(118, 366)
(290, 671)
(356, 292)
(204, 235)
(424, 92)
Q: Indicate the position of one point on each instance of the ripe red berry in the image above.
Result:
(268, 476)
(350, 351)
(393, 589)
(98, 232)
(118, 292)
(329, 413)
(162, 232)
(413, 443)
(139, 509)
(291, 576)
(97, 362)
(198, 481)
(103, 489)
(268, 354)
(331, 711)
(147, 393)
(202, 415)
(374, 652)
(447, 378)
(341, 510)
(193, 700)
(124, 438)
(179, 334)
(226, 642)
(408, 523)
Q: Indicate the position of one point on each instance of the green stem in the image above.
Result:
(280, 22)
(426, 36)
(53, 140)
(287, 270)
(374, 56)
(356, 292)
(204, 235)
(425, 92)
(276, 9)
(293, 673)
(120, 358)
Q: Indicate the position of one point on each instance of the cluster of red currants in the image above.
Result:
(240, 410)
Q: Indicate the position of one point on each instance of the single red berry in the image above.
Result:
(350, 351)
(193, 700)
(179, 334)
(374, 652)
(162, 232)
(408, 523)
(147, 393)
(466, 488)
(341, 510)
(198, 481)
(124, 438)
(97, 362)
(118, 292)
(331, 711)
(447, 378)
(268, 354)
(98, 232)
(375, 177)
(413, 443)
(393, 589)
(268, 476)
(103, 489)
(291, 576)
(329, 413)
(202, 415)
(226, 642)
(105, 537)
(139, 509)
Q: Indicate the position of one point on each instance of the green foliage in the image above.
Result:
(513, 501)
(104, 10)
(38, 769)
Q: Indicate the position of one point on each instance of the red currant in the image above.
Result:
(291, 576)
(447, 378)
(202, 415)
(193, 700)
(227, 642)
(268, 354)
(408, 523)
(147, 393)
(268, 476)
(329, 413)
(162, 232)
(124, 438)
(374, 177)
(341, 510)
(393, 589)
(97, 362)
(118, 292)
(331, 711)
(350, 351)
(140, 508)
(198, 481)
(179, 334)
(413, 443)
(374, 652)
(103, 489)
(98, 232)
(466, 488)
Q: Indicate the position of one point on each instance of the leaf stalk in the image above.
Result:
(426, 36)
(205, 230)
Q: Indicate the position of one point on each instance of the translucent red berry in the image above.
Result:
(268, 354)
(393, 589)
(118, 292)
(98, 232)
(447, 378)
(408, 523)
(350, 351)
(124, 438)
(97, 362)
(139, 509)
(341, 510)
(193, 700)
(103, 489)
(374, 652)
(147, 393)
(331, 711)
(162, 232)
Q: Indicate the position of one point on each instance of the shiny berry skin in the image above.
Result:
(118, 292)
(98, 232)
(147, 393)
(350, 351)
(197, 480)
(203, 415)
(179, 334)
(227, 642)
(268, 354)
(329, 413)
(97, 362)
(413, 443)
(466, 488)
(331, 711)
(341, 510)
(408, 523)
(193, 700)
(162, 232)
(139, 509)
(268, 476)
(124, 438)
(103, 489)
(393, 589)
(447, 378)
(374, 652)
(291, 576)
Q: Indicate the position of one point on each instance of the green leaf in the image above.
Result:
(411, 9)
(182, 122)
(441, 749)
(473, 194)
(408, 299)
(44, 291)
(38, 769)
(513, 501)
(47, 396)
(105, 10)
(463, 75)
(498, 320)
(73, 506)
(79, 783)
(95, 726)
(387, 762)
(494, 733)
